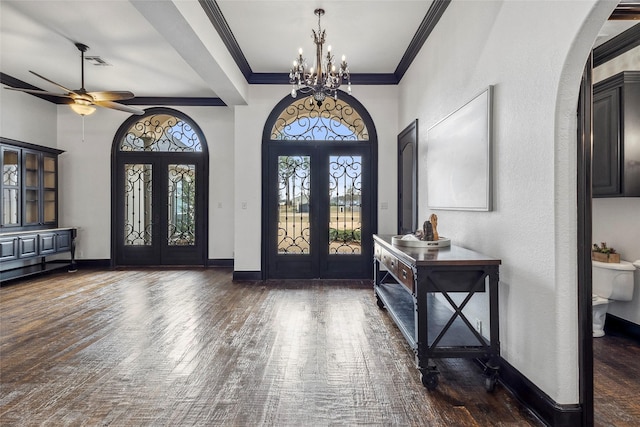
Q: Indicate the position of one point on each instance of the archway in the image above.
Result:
(575, 90)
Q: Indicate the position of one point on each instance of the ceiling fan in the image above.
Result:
(84, 101)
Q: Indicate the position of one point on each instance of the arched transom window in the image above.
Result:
(334, 120)
(161, 132)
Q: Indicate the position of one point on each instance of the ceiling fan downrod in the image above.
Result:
(82, 48)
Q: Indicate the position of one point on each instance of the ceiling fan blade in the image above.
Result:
(39, 92)
(111, 95)
(54, 83)
(121, 107)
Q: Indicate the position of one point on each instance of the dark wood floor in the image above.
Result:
(616, 374)
(176, 347)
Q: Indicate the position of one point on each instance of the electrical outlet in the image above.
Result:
(479, 326)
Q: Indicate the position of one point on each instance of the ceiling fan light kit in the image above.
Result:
(83, 101)
(323, 79)
(82, 109)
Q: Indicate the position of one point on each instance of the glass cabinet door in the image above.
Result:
(10, 187)
(31, 188)
(49, 189)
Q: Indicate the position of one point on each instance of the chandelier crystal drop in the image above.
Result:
(323, 79)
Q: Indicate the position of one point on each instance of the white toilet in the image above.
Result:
(610, 282)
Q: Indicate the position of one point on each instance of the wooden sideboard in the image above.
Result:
(426, 290)
(23, 253)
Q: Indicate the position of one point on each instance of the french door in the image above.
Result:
(319, 210)
(159, 215)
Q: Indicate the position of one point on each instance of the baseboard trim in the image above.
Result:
(93, 263)
(615, 325)
(244, 276)
(220, 262)
(545, 408)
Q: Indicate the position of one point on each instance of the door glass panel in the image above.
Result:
(49, 205)
(294, 184)
(31, 206)
(10, 192)
(31, 169)
(345, 186)
(10, 168)
(32, 189)
(10, 206)
(181, 204)
(49, 172)
(137, 205)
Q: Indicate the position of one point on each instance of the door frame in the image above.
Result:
(409, 136)
(319, 262)
(199, 158)
(267, 142)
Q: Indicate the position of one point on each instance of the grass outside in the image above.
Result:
(296, 225)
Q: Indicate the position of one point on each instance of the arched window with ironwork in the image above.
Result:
(160, 163)
(334, 120)
(320, 166)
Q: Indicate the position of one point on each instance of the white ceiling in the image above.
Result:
(171, 49)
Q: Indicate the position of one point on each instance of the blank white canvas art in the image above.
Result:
(457, 158)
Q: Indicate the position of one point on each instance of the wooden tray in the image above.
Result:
(442, 242)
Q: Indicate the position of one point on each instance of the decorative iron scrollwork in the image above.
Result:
(334, 120)
(345, 189)
(294, 187)
(182, 200)
(161, 132)
(138, 221)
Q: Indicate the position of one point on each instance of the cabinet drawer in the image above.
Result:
(63, 241)
(405, 275)
(47, 243)
(28, 246)
(8, 248)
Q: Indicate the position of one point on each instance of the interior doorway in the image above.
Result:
(585, 165)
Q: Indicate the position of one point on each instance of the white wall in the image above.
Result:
(85, 176)
(617, 222)
(38, 126)
(380, 102)
(532, 227)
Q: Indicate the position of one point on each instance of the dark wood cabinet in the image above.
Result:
(616, 136)
(29, 186)
(29, 210)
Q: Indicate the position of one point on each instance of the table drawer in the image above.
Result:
(389, 261)
(404, 275)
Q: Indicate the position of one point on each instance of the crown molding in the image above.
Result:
(356, 79)
(429, 22)
(8, 80)
(175, 101)
(219, 22)
(617, 46)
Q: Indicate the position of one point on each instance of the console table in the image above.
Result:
(23, 253)
(419, 291)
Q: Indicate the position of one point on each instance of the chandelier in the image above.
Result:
(322, 80)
